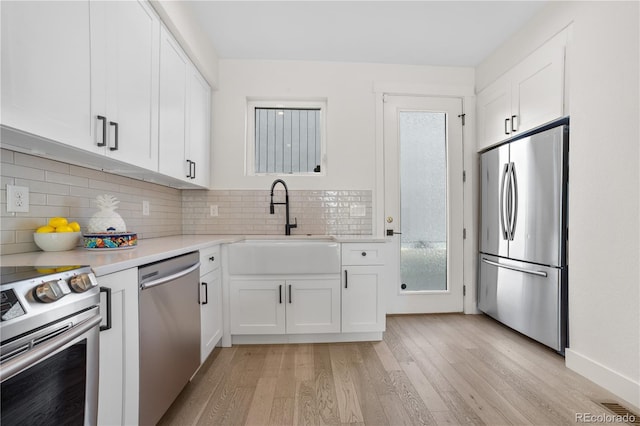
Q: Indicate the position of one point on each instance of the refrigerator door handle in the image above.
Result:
(514, 268)
(505, 172)
(514, 207)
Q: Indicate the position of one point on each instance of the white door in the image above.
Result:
(257, 306)
(313, 306)
(132, 72)
(173, 104)
(46, 78)
(424, 203)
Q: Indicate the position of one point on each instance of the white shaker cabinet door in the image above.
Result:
(119, 350)
(210, 312)
(362, 299)
(313, 306)
(173, 103)
(257, 306)
(198, 148)
(494, 113)
(46, 83)
(130, 55)
(537, 94)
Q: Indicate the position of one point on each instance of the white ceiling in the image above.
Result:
(455, 33)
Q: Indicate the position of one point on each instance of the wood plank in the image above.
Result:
(326, 399)
(387, 358)
(282, 412)
(348, 404)
(427, 393)
(372, 412)
(260, 408)
(410, 399)
(189, 405)
(305, 411)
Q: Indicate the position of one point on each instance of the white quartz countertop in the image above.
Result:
(151, 250)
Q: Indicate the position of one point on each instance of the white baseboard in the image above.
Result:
(614, 382)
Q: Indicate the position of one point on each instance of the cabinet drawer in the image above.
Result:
(209, 259)
(363, 254)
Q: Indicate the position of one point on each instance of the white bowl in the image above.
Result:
(57, 241)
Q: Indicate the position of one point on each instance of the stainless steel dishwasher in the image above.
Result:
(169, 332)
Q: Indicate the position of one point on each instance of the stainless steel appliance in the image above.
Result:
(522, 262)
(50, 340)
(169, 332)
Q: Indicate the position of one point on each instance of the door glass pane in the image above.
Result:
(423, 205)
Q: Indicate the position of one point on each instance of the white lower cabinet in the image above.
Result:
(363, 275)
(285, 306)
(119, 349)
(210, 301)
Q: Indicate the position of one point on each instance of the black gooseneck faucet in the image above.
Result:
(287, 226)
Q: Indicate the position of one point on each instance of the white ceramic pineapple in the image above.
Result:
(106, 220)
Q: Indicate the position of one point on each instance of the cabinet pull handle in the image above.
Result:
(206, 293)
(104, 130)
(189, 163)
(280, 291)
(364, 253)
(107, 290)
(290, 293)
(346, 279)
(115, 147)
(212, 258)
(506, 126)
(514, 126)
(193, 175)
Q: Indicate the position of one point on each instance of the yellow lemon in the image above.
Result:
(75, 226)
(57, 222)
(64, 228)
(45, 229)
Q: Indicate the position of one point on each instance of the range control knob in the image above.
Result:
(82, 282)
(51, 291)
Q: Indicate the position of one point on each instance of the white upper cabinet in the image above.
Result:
(173, 102)
(125, 53)
(527, 96)
(46, 75)
(198, 139)
(184, 115)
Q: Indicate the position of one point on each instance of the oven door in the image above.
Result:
(50, 376)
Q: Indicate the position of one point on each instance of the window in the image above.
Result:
(285, 138)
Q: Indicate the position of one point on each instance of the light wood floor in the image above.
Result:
(429, 369)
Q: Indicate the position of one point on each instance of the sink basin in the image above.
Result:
(285, 256)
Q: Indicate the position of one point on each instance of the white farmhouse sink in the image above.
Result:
(284, 256)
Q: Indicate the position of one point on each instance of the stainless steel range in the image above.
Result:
(49, 326)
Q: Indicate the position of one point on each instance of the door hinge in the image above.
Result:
(464, 233)
(464, 290)
(462, 117)
(464, 175)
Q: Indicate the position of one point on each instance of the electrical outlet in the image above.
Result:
(145, 208)
(213, 211)
(17, 199)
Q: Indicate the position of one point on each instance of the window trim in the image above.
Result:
(250, 142)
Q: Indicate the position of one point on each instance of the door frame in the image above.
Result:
(471, 159)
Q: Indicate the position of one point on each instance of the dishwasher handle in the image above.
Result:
(168, 278)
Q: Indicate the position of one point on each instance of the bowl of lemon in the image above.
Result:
(58, 235)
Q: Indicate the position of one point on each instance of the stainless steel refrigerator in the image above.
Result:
(523, 271)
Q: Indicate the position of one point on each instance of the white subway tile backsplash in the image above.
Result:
(59, 189)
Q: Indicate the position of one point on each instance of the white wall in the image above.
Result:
(178, 17)
(604, 209)
(351, 114)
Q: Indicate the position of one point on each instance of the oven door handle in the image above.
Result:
(16, 365)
